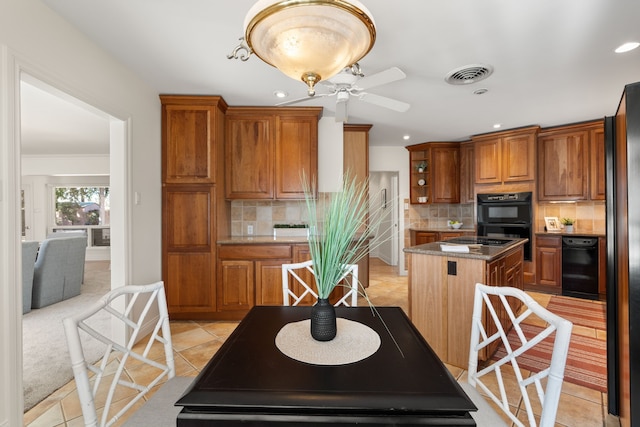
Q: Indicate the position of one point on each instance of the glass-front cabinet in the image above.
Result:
(420, 163)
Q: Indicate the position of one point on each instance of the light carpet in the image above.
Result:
(46, 363)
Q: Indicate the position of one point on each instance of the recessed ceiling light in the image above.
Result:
(627, 47)
(497, 126)
(280, 94)
(480, 91)
(406, 137)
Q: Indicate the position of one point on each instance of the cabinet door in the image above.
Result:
(419, 177)
(236, 287)
(422, 237)
(495, 277)
(597, 166)
(445, 174)
(356, 151)
(444, 235)
(518, 158)
(467, 173)
(488, 161)
(549, 261)
(269, 282)
(563, 166)
(249, 155)
(188, 246)
(188, 150)
(296, 154)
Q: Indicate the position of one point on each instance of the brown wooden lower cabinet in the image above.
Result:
(235, 285)
(251, 274)
(549, 260)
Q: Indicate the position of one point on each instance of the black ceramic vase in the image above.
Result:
(323, 320)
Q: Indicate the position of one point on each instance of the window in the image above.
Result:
(81, 206)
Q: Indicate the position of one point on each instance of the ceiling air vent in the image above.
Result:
(468, 74)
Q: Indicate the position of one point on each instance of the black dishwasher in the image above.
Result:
(580, 267)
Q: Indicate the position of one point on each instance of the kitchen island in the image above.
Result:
(442, 285)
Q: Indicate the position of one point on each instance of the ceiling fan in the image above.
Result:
(351, 82)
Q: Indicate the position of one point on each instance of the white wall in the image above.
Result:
(36, 40)
(393, 159)
(65, 165)
(330, 154)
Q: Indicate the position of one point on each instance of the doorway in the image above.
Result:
(63, 140)
(386, 183)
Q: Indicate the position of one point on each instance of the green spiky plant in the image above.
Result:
(343, 230)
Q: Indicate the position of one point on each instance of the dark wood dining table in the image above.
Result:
(249, 381)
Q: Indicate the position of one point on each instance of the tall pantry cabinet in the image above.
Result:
(194, 209)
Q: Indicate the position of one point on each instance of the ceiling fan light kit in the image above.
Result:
(308, 40)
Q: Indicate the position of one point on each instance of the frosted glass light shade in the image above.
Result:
(310, 40)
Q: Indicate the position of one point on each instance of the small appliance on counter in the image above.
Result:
(291, 230)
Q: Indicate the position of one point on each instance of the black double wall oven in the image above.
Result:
(506, 215)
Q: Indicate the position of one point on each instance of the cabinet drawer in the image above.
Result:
(254, 251)
(549, 241)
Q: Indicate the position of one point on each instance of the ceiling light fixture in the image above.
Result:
(280, 94)
(626, 47)
(406, 137)
(309, 40)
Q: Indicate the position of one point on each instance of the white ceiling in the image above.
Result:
(553, 60)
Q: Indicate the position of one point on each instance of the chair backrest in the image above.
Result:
(58, 270)
(29, 253)
(492, 318)
(299, 270)
(124, 372)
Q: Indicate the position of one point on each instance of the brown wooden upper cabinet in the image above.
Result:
(507, 156)
(435, 172)
(190, 125)
(571, 162)
(467, 172)
(268, 149)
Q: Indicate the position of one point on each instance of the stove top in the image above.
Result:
(479, 240)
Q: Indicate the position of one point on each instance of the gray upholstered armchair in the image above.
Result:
(29, 252)
(59, 270)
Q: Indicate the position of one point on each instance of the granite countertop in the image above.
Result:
(445, 229)
(237, 240)
(487, 253)
(573, 233)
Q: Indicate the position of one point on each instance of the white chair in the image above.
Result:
(491, 302)
(143, 310)
(296, 270)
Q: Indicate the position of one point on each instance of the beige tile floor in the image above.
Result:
(195, 342)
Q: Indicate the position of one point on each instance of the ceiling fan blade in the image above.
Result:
(341, 111)
(306, 98)
(381, 78)
(383, 101)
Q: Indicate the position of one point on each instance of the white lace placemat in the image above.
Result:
(353, 342)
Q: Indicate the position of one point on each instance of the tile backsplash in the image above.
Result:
(590, 216)
(263, 215)
(436, 215)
